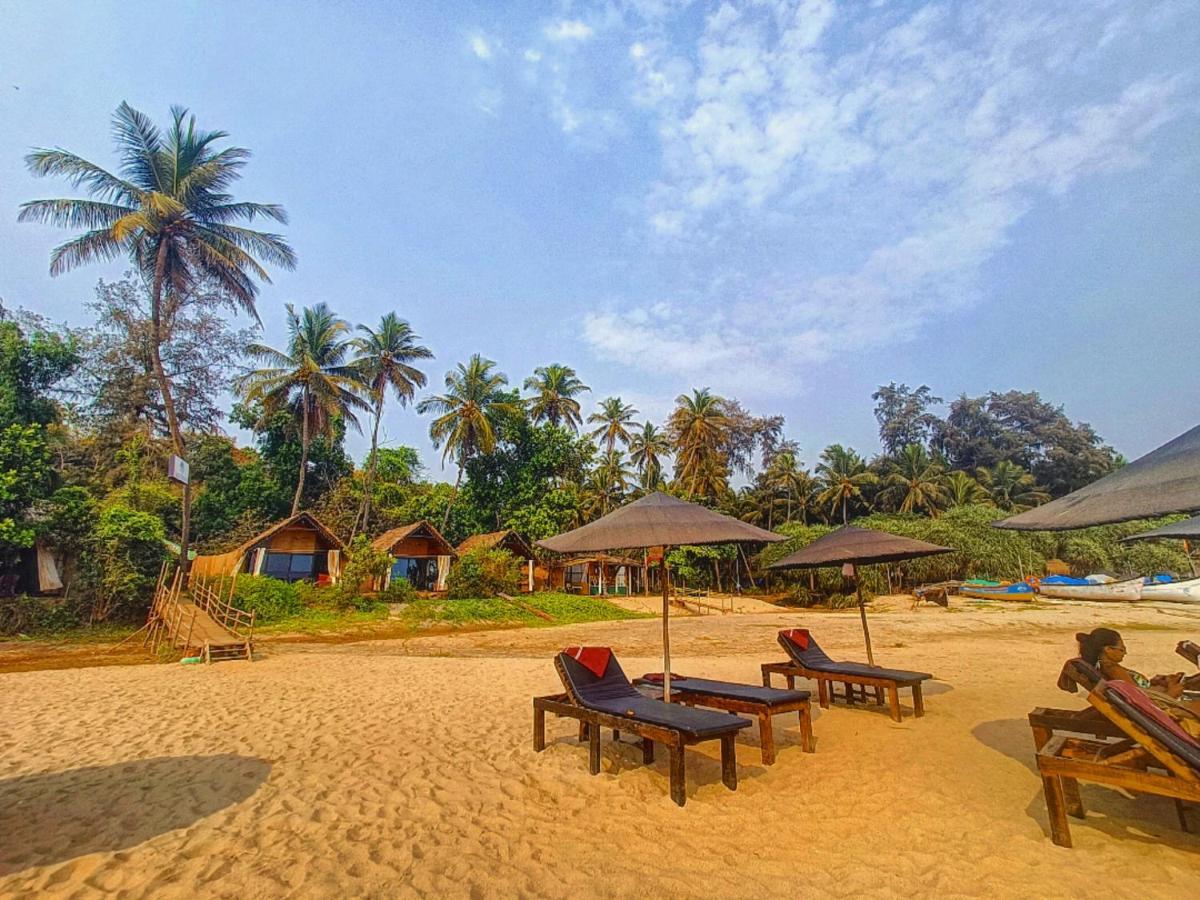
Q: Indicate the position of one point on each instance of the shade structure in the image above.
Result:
(1188, 529)
(1164, 481)
(659, 520)
(859, 547)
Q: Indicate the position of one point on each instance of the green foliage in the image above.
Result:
(126, 552)
(29, 368)
(484, 573)
(563, 609)
(364, 563)
(399, 590)
(269, 598)
(24, 478)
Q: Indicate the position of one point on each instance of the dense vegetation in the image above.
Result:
(88, 417)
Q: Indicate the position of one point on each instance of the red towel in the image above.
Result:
(595, 658)
(798, 636)
(1137, 698)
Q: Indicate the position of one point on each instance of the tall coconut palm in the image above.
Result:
(1010, 487)
(385, 360)
(963, 490)
(168, 210)
(786, 478)
(555, 388)
(612, 419)
(843, 475)
(646, 451)
(608, 483)
(699, 428)
(916, 481)
(468, 415)
(313, 378)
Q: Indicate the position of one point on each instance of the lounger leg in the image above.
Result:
(806, 734)
(594, 749)
(878, 695)
(766, 738)
(728, 762)
(678, 777)
(1056, 809)
(1040, 734)
(918, 700)
(823, 688)
(894, 701)
(1181, 811)
(583, 731)
(539, 729)
(1074, 802)
(647, 751)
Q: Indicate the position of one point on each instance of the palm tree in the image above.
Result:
(843, 474)
(312, 378)
(699, 428)
(916, 480)
(1010, 487)
(609, 482)
(785, 476)
(385, 357)
(555, 387)
(646, 450)
(963, 490)
(169, 211)
(468, 415)
(612, 419)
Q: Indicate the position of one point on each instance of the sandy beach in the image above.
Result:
(405, 767)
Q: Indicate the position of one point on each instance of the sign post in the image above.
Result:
(178, 471)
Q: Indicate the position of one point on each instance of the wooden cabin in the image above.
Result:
(595, 573)
(300, 548)
(512, 542)
(420, 555)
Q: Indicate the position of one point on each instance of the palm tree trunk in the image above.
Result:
(365, 510)
(453, 497)
(303, 453)
(844, 519)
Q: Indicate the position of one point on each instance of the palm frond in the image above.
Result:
(72, 213)
(83, 174)
(140, 145)
(90, 246)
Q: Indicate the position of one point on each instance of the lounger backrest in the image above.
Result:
(1189, 650)
(1077, 673)
(809, 656)
(585, 687)
(1134, 705)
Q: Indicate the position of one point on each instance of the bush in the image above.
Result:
(399, 591)
(364, 563)
(126, 552)
(269, 598)
(484, 573)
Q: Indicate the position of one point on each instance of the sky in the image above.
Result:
(790, 203)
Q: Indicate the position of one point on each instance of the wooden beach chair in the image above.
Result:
(1154, 756)
(808, 660)
(1046, 722)
(1190, 651)
(609, 700)
(760, 702)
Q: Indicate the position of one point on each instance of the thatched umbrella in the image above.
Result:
(1164, 481)
(658, 520)
(1187, 531)
(858, 547)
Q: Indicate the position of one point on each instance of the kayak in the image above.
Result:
(1021, 592)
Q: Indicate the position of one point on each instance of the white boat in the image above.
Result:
(1187, 591)
(1113, 592)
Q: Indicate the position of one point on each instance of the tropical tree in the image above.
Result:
(915, 481)
(786, 477)
(1010, 487)
(612, 419)
(555, 388)
(385, 360)
(646, 451)
(469, 415)
(843, 474)
(698, 427)
(608, 483)
(170, 211)
(313, 379)
(963, 490)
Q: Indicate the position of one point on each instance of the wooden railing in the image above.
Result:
(207, 597)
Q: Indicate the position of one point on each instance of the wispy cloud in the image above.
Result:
(480, 47)
(568, 30)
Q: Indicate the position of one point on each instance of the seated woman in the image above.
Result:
(1105, 650)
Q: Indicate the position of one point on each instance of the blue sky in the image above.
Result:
(790, 203)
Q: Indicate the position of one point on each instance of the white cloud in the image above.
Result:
(568, 30)
(532, 55)
(480, 47)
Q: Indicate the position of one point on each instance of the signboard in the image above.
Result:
(177, 469)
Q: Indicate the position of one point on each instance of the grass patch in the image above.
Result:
(321, 620)
(564, 609)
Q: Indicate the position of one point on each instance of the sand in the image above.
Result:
(404, 768)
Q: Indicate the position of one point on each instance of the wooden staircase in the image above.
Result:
(199, 622)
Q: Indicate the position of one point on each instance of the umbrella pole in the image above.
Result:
(862, 612)
(666, 591)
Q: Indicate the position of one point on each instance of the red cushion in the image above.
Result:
(798, 636)
(594, 658)
(1137, 698)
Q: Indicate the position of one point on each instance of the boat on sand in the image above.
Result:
(1185, 591)
(1058, 588)
(1021, 591)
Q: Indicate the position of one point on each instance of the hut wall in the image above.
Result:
(419, 546)
(218, 565)
(296, 539)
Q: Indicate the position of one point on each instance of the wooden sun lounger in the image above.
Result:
(760, 702)
(1190, 651)
(1045, 722)
(855, 678)
(612, 702)
(1149, 742)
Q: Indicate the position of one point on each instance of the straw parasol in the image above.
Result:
(1187, 531)
(1166, 480)
(658, 520)
(858, 547)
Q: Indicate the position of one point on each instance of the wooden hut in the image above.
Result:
(512, 542)
(300, 548)
(596, 573)
(420, 554)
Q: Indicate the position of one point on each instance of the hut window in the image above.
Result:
(289, 566)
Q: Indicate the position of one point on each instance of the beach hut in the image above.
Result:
(512, 542)
(419, 553)
(596, 573)
(299, 548)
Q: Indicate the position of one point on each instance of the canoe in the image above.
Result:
(1117, 592)
(1187, 591)
(1020, 592)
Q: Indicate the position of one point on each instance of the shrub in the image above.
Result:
(399, 591)
(364, 563)
(269, 598)
(484, 573)
(125, 555)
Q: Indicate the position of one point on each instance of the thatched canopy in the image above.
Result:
(507, 539)
(657, 520)
(1188, 529)
(861, 546)
(422, 528)
(1164, 481)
